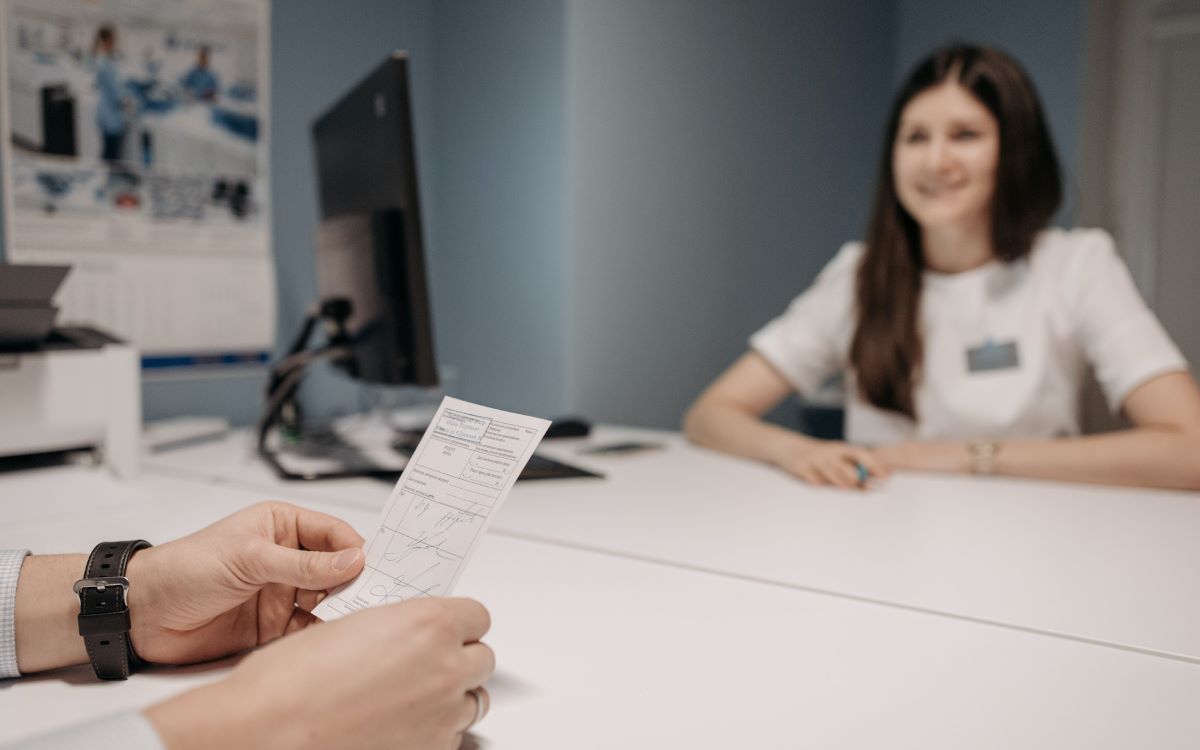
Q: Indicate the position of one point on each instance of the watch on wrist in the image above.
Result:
(983, 456)
(104, 610)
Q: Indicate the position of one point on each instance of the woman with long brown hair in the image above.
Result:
(964, 326)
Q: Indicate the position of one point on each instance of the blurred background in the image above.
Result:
(617, 193)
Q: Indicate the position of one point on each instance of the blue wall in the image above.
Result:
(720, 154)
(501, 274)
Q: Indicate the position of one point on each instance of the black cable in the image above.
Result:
(290, 372)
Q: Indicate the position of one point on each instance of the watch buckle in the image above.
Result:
(100, 584)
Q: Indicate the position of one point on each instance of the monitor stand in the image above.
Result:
(285, 379)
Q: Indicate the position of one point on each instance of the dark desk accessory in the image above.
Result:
(285, 377)
(538, 466)
(621, 448)
(26, 312)
(568, 427)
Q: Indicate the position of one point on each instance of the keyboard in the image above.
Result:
(539, 466)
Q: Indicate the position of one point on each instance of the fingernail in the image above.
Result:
(345, 559)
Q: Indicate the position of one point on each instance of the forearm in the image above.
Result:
(46, 614)
(1143, 457)
(733, 430)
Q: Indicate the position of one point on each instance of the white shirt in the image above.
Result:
(1070, 304)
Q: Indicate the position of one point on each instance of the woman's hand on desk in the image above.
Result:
(246, 580)
(832, 463)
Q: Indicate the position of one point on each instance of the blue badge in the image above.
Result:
(993, 356)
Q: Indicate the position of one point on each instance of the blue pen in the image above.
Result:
(862, 472)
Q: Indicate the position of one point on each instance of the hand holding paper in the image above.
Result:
(455, 482)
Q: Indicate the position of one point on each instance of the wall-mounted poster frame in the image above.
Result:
(135, 138)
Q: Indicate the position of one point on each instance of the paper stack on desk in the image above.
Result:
(452, 487)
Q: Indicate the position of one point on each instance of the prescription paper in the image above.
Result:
(454, 484)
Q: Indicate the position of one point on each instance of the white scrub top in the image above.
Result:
(1070, 304)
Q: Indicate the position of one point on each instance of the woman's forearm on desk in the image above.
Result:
(1143, 457)
(727, 416)
(732, 430)
(820, 462)
(1162, 450)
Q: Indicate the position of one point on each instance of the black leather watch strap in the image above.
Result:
(103, 611)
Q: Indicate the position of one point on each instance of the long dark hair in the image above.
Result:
(887, 350)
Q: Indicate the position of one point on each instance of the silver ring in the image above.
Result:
(480, 706)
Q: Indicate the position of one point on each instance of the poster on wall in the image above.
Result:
(135, 151)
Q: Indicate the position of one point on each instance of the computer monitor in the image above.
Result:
(370, 267)
(369, 245)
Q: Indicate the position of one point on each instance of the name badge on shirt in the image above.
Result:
(993, 356)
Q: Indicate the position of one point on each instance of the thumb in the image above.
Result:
(306, 569)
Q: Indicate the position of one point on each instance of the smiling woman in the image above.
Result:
(944, 161)
(967, 175)
(964, 326)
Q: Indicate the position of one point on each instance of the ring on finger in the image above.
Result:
(481, 704)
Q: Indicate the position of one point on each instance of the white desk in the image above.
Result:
(1116, 565)
(597, 651)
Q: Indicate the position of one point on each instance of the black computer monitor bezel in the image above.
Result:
(366, 167)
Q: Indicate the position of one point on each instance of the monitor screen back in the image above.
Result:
(370, 247)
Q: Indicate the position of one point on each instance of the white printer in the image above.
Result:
(63, 389)
(78, 390)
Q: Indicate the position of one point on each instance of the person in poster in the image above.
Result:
(110, 108)
(201, 82)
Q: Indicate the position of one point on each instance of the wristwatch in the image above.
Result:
(103, 610)
(983, 456)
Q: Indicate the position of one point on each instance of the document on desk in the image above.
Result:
(452, 487)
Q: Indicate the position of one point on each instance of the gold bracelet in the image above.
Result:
(983, 456)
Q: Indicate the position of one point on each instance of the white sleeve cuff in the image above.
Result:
(10, 571)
